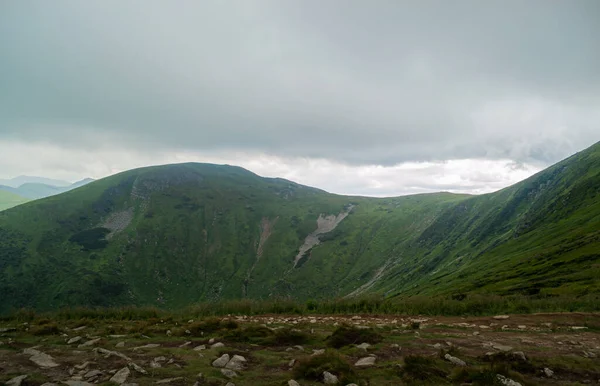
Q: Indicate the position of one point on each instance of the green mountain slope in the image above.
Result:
(8, 200)
(177, 234)
(35, 190)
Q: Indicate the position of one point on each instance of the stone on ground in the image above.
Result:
(121, 376)
(365, 362)
(221, 361)
(228, 373)
(329, 379)
(16, 381)
(236, 363)
(507, 381)
(293, 382)
(454, 360)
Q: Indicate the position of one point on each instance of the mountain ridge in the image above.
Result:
(173, 235)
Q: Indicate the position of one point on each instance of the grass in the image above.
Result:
(472, 305)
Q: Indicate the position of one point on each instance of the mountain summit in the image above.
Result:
(176, 234)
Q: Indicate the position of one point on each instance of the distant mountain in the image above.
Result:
(8, 199)
(173, 235)
(18, 181)
(35, 190)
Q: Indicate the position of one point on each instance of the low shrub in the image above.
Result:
(45, 329)
(346, 335)
(312, 367)
(420, 368)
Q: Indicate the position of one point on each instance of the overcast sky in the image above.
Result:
(360, 97)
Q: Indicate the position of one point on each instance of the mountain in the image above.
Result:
(18, 181)
(8, 200)
(35, 190)
(176, 234)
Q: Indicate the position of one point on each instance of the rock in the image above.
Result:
(221, 361)
(160, 359)
(329, 379)
(454, 360)
(365, 362)
(137, 368)
(298, 347)
(291, 363)
(40, 359)
(49, 384)
(507, 381)
(352, 384)
(89, 343)
(121, 376)
(200, 348)
(92, 374)
(230, 384)
(185, 344)
(217, 345)
(169, 333)
(155, 365)
(72, 382)
(589, 354)
(120, 345)
(476, 333)
(520, 355)
(292, 382)
(318, 352)
(522, 327)
(83, 366)
(168, 380)
(7, 329)
(74, 340)
(363, 346)
(16, 381)
(80, 328)
(236, 363)
(229, 373)
(150, 345)
(108, 353)
(501, 347)
(117, 336)
(501, 317)
(437, 346)
(547, 372)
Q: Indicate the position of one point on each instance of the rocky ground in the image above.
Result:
(539, 349)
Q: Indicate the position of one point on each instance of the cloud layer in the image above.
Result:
(361, 85)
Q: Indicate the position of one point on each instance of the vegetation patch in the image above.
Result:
(312, 367)
(421, 368)
(346, 335)
(91, 239)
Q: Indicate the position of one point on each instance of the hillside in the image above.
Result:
(36, 190)
(8, 199)
(177, 234)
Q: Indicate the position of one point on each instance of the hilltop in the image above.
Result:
(173, 235)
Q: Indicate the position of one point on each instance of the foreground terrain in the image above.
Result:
(537, 349)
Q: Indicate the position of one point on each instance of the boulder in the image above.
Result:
(229, 373)
(454, 360)
(365, 362)
(236, 363)
(221, 361)
(121, 376)
(507, 381)
(16, 381)
(74, 340)
(330, 379)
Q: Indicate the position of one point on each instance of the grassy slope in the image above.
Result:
(8, 200)
(196, 228)
(541, 235)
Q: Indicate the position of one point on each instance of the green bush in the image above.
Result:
(420, 368)
(312, 368)
(346, 335)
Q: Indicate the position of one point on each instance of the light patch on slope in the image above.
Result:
(117, 222)
(325, 224)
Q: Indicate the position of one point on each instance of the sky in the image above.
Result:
(379, 98)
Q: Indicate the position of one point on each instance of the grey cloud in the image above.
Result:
(358, 82)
